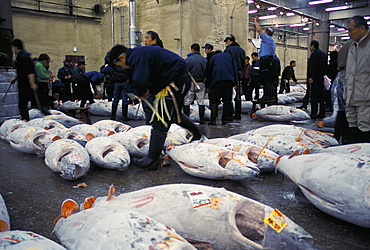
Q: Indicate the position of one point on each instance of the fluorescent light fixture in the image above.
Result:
(331, 26)
(297, 24)
(267, 17)
(367, 17)
(272, 8)
(290, 14)
(341, 29)
(250, 1)
(252, 11)
(320, 2)
(344, 7)
(345, 38)
(368, 22)
(306, 28)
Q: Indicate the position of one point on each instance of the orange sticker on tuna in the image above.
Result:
(276, 220)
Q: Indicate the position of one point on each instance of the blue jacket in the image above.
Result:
(154, 68)
(238, 54)
(95, 77)
(222, 68)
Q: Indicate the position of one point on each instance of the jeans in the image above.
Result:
(120, 92)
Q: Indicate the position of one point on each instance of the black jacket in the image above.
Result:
(288, 73)
(238, 54)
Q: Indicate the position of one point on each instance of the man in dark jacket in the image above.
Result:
(316, 71)
(161, 72)
(25, 77)
(238, 54)
(224, 75)
(255, 79)
(288, 73)
(65, 76)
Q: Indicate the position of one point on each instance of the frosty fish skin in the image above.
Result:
(233, 222)
(9, 126)
(4, 216)
(117, 127)
(282, 113)
(68, 158)
(108, 153)
(264, 158)
(337, 184)
(212, 162)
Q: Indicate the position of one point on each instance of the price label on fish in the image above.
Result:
(276, 220)
(199, 199)
(75, 157)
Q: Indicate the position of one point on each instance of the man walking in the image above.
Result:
(288, 73)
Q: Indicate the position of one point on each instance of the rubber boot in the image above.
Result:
(186, 110)
(189, 125)
(24, 114)
(238, 110)
(124, 112)
(227, 114)
(214, 110)
(322, 111)
(151, 161)
(114, 111)
(201, 114)
(266, 92)
(314, 107)
(362, 137)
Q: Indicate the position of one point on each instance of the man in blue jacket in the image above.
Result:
(161, 72)
(224, 75)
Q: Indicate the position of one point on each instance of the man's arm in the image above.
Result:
(31, 80)
(256, 24)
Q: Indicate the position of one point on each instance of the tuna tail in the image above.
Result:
(111, 191)
(4, 226)
(293, 154)
(69, 206)
(278, 159)
(55, 138)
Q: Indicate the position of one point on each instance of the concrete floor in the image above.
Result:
(33, 193)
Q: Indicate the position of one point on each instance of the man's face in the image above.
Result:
(207, 50)
(121, 61)
(228, 42)
(246, 61)
(148, 40)
(312, 48)
(46, 63)
(294, 64)
(254, 58)
(66, 65)
(356, 33)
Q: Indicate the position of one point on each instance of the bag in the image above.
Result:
(327, 82)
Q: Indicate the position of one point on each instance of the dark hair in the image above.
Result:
(17, 43)
(254, 54)
(116, 51)
(291, 62)
(315, 44)
(154, 35)
(195, 47)
(359, 21)
(247, 57)
(43, 57)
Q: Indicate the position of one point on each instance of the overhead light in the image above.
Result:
(306, 28)
(317, 23)
(252, 11)
(345, 38)
(250, 1)
(267, 17)
(290, 14)
(297, 24)
(276, 25)
(320, 2)
(367, 17)
(341, 29)
(258, 6)
(272, 8)
(331, 26)
(344, 7)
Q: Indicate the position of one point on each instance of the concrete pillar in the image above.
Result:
(6, 32)
(321, 34)
(9, 104)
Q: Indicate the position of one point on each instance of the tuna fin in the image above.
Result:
(293, 154)
(55, 138)
(4, 226)
(88, 203)
(89, 136)
(111, 133)
(111, 191)
(306, 152)
(278, 159)
(69, 206)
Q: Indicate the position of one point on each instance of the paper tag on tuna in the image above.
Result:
(276, 220)
(10, 238)
(75, 157)
(199, 199)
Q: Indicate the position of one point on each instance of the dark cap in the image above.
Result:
(230, 37)
(65, 61)
(207, 46)
(271, 30)
(81, 62)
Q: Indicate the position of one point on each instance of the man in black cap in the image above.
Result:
(65, 76)
(208, 49)
(233, 48)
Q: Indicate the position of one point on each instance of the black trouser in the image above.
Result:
(245, 88)
(222, 90)
(284, 85)
(84, 91)
(68, 92)
(341, 129)
(109, 89)
(254, 85)
(266, 70)
(317, 95)
(25, 96)
(44, 98)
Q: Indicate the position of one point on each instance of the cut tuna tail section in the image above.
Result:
(111, 191)
(69, 206)
(4, 226)
(89, 202)
(89, 136)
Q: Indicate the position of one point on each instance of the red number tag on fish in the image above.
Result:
(276, 220)
(199, 199)
(75, 157)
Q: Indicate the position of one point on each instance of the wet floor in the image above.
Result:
(33, 193)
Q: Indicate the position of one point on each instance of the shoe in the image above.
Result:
(237, 117)
(212, 123)
(313, 117)
(201, 122)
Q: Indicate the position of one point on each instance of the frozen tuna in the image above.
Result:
(86, 129)
(4, 216)
(178, 135)
(116, 127)
(212, 162)
(9, 126)
(45, 123)
(65, 120)
(137, 145)
(281, 113)
(68, 158)
(108, 153)
(114, 228)
(264, 158)
(356, 148)
(223, 219)
(20, 240)
(337, 184)
(31, 140)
